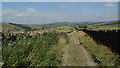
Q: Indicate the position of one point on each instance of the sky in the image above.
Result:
(49, 12)
(0, 11)
(60, 0)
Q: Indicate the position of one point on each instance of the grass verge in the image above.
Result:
(101, 54)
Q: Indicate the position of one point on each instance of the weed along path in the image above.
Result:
(75, 54)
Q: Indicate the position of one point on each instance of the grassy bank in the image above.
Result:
(101, 54)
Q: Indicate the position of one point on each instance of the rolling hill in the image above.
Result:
(105, 25)
(14, 27)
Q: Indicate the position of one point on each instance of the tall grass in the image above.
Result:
(36, 51)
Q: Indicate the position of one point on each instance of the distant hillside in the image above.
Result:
(14, 27)
(107, 23)
(58, 24)
(23, 27)
(78, 23)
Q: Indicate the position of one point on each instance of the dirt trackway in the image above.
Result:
(75, 54)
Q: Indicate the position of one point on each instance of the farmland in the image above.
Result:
(105, 26)
(66, 45)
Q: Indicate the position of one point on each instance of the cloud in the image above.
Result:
(28, 12)
(31, 10)
(109, 5)
(31, 15)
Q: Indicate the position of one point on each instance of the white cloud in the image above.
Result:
(109, 5)
(8, 11)
(31, 10)
(30, 15)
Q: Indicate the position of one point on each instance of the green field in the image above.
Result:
(104, 27)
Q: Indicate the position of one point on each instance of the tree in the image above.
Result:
(83, 26)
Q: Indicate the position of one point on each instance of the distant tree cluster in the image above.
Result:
(82, 26)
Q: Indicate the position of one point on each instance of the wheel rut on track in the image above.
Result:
(75, 54)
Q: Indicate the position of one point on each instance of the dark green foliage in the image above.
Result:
(21, 26)
(35, 51)
(83, 26)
